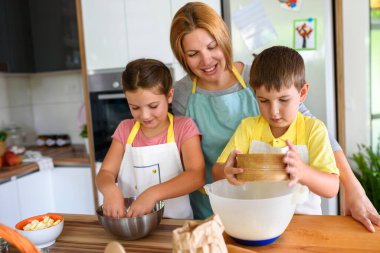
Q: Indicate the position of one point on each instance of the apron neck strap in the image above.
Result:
(236, 75)
(137, 125)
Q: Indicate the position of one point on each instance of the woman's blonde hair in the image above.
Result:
(195, 15)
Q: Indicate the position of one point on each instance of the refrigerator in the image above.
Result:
(306, 26)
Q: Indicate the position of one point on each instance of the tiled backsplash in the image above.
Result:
(44, 103)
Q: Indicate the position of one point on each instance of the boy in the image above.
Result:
(278, 78)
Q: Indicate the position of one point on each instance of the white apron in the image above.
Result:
(143, 167)
(313, 204)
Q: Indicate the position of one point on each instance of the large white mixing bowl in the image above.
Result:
(256, 213)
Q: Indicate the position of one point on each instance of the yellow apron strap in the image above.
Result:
(137, 125)
(238, 77)
(194, 85)
(133, 132)
(170, 135)
(234, 71)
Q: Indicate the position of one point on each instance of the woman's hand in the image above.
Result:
(142, 205)
(294, 164)
(361, 209)
(356, 202)
(113, 204)
(229, 168)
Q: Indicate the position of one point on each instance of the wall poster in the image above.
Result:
(305, 34)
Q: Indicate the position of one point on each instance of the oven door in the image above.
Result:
(108, 109)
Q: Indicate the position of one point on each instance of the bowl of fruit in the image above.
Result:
(41, 230)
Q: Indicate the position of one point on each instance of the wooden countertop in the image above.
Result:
(73, 155)
(305, 233)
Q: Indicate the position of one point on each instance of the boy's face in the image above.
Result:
(280, 108)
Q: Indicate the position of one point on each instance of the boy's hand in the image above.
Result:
(113, 204)
(229, 168)
(142, 205)
(294, 164)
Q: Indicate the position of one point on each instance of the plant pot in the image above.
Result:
(3, 147)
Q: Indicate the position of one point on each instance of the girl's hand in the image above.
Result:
(113, 204)
(294, 164)
(229, 168)
(142, 205)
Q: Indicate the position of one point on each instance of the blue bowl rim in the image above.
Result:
(256, 242)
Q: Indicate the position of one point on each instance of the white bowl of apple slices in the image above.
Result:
(42, 230)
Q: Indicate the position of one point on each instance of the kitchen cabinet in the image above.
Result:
(54, 34)
(105, 34)
(16, 48)
(72, 190)
(99, 194)
(177, 4)
(38, 36)
(35, 193)
(61, 190)
(117, 33)
(9, 208)
(148, 29)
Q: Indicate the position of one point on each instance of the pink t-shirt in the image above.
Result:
(184, 129)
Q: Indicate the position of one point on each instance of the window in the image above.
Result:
(374, 68)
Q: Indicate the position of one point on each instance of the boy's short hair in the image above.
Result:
(147, 74)
(277, 67)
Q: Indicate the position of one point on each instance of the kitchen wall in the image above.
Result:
(4, 107)
(43, 103)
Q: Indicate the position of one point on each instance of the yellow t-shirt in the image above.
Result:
(305, 130)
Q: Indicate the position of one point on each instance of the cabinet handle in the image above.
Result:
(111, 96)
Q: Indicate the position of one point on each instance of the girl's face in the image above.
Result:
(203, 55)
(150, 107)
(280, 108)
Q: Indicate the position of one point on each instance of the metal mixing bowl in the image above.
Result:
(132, 228)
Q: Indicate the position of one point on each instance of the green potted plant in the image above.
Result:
(3, 138)
(367, 160)
(84, 134)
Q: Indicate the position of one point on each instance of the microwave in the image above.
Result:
(109, 107)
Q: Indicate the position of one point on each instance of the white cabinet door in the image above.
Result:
(105, 34)
(35, 193)
(177, 4)
(100, 195)
(9, 209)
(148, 27)
(73, 192)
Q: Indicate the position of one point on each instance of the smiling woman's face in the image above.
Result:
(203, 55)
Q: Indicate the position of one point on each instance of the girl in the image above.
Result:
(145, 154)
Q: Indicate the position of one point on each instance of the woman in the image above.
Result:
(215, 94)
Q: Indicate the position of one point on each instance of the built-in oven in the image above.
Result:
(108, 107)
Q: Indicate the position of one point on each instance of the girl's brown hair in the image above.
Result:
(195, 15)
(277, 67)
(147, 74)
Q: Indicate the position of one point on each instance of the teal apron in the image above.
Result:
(217, 118)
